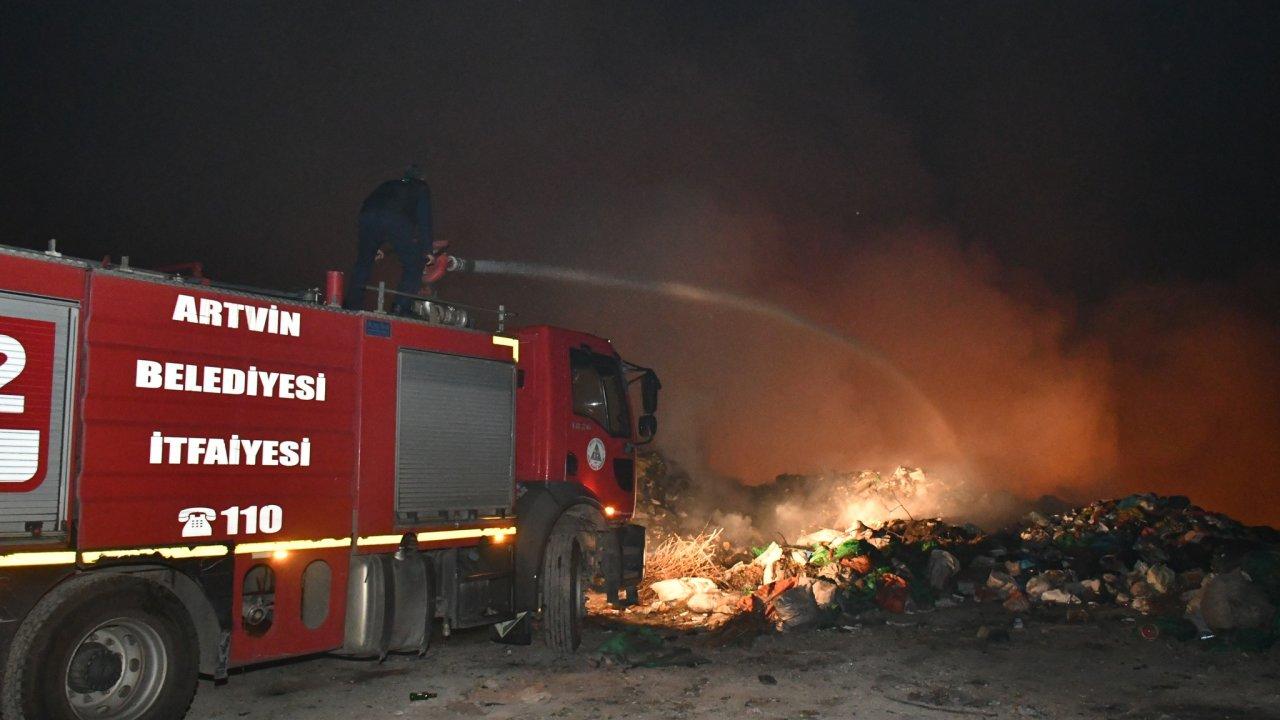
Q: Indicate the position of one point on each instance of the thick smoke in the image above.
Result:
(1164, 389)
(722, 169)
(1196, 399)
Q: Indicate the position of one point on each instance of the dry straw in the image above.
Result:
(677, 557)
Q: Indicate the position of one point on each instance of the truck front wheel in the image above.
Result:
(563, 590)
(102, 646)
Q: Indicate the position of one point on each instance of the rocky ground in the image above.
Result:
(927, 665)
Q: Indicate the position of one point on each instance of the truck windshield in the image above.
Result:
(599, 391)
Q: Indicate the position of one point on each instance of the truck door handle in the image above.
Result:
(571, 465)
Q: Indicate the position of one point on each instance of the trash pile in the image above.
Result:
(1194, 573)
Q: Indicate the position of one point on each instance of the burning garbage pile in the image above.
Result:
(670, 502)
(1191, 572)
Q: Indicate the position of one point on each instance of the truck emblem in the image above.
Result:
(595, 453)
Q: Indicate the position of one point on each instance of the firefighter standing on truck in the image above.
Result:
(397, 212)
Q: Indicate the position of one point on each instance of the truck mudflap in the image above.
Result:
(621, 563)
(631, 556)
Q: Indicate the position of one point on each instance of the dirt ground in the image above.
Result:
(929, 665)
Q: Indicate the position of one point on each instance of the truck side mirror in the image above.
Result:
(647, 426)
(649, 387)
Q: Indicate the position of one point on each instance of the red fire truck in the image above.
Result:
(196, 477)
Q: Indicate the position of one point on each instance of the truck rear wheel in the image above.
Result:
(102, 646)
(564, 570)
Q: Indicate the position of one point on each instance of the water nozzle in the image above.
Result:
(444, 264)
(457, 264)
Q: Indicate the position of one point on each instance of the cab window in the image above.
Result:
(599, 391)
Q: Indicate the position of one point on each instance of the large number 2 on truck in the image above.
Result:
(19, 449)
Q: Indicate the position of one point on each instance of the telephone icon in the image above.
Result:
(196, 521)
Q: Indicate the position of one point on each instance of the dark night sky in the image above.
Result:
(1095, 145)
(1086, 153)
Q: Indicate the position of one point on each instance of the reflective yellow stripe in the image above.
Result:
(437, 536)
(172, 553)
(181, 552)
(67, 557)
(379, 540)
(264, 547)
(512, 343)
(464, 534)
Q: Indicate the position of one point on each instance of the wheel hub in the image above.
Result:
(117, 672)
(94, 668)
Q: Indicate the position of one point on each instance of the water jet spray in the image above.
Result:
(702, 295)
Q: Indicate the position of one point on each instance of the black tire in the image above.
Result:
(563, 596)
(91, 619)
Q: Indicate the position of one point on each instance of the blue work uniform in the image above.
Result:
(396, 213)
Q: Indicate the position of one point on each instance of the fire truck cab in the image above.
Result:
(196, 477)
